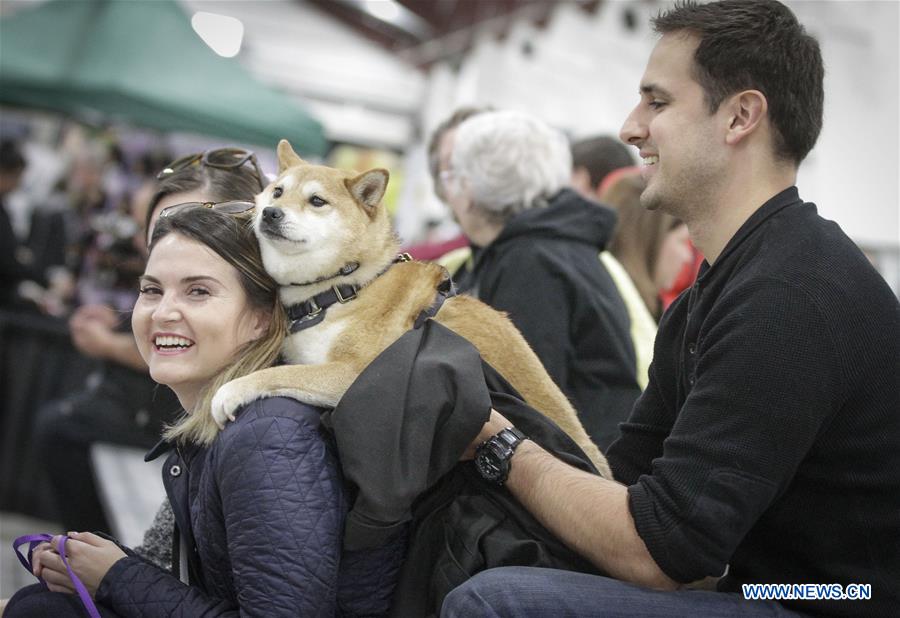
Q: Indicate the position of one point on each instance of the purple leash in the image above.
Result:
(33, 541)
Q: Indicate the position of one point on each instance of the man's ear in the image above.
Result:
(747, 109)
(287, 157)
(368, 188)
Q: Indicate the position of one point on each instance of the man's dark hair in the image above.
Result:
(600, 156)
(759, 45)
(11, 159)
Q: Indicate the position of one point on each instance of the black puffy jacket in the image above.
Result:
(261, 513)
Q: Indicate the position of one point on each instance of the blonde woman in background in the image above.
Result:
(651, 247)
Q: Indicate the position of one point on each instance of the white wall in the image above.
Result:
(584, 73)
(359, 91)
(852, 175)
(582, 77)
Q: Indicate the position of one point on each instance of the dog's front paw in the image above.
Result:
(228, 399)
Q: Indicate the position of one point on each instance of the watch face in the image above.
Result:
(488, 467)
(491, 463)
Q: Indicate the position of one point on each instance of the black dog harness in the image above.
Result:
(312, 311)
(445, 289)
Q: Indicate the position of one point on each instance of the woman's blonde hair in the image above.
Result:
(233, 240)
(639, 233)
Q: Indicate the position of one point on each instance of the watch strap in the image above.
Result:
(497, 451)
(511, 436)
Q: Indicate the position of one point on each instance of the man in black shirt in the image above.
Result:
(767, 443)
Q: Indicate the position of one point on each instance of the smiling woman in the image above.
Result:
(208, 313)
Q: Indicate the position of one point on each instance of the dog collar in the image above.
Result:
(312, 311)
(345, 270)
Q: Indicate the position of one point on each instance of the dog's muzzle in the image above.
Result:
(270, 223)
(271, 215)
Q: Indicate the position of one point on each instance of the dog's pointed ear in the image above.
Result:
(368, 188)
(287, 157)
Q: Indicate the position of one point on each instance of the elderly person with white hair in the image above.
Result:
(535, 256)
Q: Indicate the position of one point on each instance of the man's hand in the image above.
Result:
(100, 313)
(89, 556)
(588, 513)
(92, 329)
(94, 339)
(494, 425)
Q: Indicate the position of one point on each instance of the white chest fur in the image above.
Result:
(312, 345)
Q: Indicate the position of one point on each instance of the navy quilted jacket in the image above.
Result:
(261, 512)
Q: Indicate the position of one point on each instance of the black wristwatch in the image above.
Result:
(493, 455)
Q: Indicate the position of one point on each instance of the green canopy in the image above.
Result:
(139, 61)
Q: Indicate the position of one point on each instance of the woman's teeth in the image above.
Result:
(173, 342)
(651, 160)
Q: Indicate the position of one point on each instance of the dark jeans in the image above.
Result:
(36, 601)
(526, 591)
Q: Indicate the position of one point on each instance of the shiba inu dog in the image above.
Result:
(326, 239)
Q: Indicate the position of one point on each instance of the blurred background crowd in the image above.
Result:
(97, 96)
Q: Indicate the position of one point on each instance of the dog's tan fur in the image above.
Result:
(353, 227)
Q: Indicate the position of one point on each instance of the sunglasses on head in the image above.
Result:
(220, 158)
(233, 207)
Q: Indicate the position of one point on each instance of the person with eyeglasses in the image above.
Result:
(228, 178)
(122, 405)
(505, 177)
(260, 506)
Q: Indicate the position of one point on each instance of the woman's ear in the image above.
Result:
(747, 111)
(261, 321)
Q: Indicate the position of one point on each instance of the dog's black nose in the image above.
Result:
(272, 215)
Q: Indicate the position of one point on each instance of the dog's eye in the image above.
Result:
(277, 192)
(317, 201)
